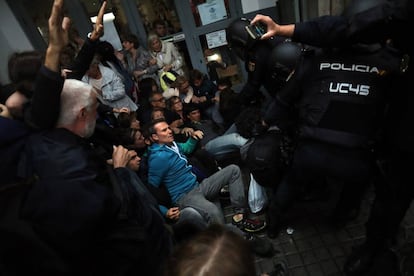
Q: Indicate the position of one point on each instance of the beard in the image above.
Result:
(89, 129)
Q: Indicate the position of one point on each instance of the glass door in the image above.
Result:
(205, 30)
(161, 17)
(197, 27)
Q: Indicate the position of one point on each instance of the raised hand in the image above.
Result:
(58, 35)
(98, 28)
(273, 28)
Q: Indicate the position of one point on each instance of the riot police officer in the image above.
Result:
(336, 100)
(255, 54)
(376, 21)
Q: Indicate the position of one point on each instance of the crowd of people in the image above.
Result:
(115, 158)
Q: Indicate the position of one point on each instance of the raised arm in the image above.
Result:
(87, 52)
(44, 108)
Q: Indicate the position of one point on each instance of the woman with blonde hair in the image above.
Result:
(168, 57)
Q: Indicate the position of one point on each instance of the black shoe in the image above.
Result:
(360, 261)
(260, 246)
(247, 224)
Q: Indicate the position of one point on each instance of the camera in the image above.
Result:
(255, 31)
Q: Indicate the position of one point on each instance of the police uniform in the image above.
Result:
(337, 99)
(391, 19)
(259, 72)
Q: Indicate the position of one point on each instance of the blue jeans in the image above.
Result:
(202, 197)
(225, 144)
(189, 215)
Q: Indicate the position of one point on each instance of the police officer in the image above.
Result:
(336, 99)
(377, 21)
(255, 54)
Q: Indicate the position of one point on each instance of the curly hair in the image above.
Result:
(249, 122)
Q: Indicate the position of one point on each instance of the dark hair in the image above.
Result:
(145, 85)
(215, 251)
(189, 107)
(170, 101)
(157, 22)
(225, 82)
(196, 75)
(249, 122)
(124, 120)
(145, 91)
(23, 68)
(150, 129)
(132, 38)
(106, 50)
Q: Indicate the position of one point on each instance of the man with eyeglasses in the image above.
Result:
(157, 101)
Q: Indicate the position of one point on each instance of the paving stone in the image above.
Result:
(314, 269)
(317, 249)
(288, 248)
(329, 267)
(294, 260)
(299, 271)
(322, 253)
(336, 251)
(309, 257)
(303, 245)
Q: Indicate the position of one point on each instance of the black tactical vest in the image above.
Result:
(344, 94)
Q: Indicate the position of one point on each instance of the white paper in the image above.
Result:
(251, 6)
(216, 39)
(212, 11)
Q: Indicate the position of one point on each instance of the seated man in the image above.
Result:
(168, 165)
(184, 222)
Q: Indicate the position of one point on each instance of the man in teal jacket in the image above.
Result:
(167, 164)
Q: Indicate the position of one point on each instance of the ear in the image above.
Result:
(82, 114)
(154, 137)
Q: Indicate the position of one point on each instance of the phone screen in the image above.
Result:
(255, 31)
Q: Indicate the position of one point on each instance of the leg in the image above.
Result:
(225, 144)
(230, 175)
(207, 209)
(189, 224)
(393, 197)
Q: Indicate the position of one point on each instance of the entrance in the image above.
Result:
(197, 27)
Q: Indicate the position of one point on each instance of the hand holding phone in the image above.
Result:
(256, 30)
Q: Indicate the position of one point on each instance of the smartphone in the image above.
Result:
(256, 31)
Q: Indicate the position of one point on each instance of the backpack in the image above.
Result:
(267, 157)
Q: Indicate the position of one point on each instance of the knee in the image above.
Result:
(234, 169)
(191, 215)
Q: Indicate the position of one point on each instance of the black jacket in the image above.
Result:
(99, 220)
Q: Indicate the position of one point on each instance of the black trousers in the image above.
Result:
(394, 193)
(314, 161)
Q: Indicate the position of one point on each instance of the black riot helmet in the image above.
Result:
(238, 38)
(283, 61)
